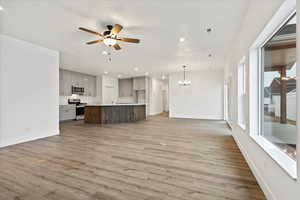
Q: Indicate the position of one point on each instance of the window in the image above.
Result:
(241, 93)
(277, 97)
(229, 101)
(275, 47)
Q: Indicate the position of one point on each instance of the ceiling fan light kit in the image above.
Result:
(109, 42)
(110, 36)
(184, 82)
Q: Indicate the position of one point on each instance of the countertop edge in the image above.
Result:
(96, 105)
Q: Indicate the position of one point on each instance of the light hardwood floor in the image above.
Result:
(160, 159)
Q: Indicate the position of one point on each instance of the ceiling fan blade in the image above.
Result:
(116, 29)
(94, 42)
(129, 40)
(90, 31)
(117, 47)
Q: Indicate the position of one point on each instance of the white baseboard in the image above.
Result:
(153, 114)
(265, 188)
(200, 118)
(6, 144)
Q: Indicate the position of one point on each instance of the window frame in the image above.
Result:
(285, 13)
(242, 92)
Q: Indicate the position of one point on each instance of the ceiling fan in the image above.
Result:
(110, 36)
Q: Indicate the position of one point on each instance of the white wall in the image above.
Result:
(29, 91)
(156, 96)
(275, 182)
(203, 99)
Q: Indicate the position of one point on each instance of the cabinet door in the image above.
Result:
(74, 79)
(139, 83)
(67, 79)
(121, 88)
(142, 83)
(125, 87)
(61, 83)
(93, 86)
(81, 79)
(86, 85)
(136, 84)
(67, 112)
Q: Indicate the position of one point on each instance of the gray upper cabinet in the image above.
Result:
(61, 83)
(139, 83)
(87, 90)
(76, 79)
(92, 86)
(89, 84)
(67, 79)
(125, 87)
(67, 82)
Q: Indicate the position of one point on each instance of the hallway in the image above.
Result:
(167, 159)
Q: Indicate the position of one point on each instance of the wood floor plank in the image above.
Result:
(157, 159)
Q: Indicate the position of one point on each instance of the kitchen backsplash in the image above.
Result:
(125, 100)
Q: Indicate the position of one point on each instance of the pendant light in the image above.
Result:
(184, 82)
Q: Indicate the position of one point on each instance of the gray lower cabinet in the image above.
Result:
(67, 112)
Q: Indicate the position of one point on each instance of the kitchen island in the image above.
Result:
(114, 113)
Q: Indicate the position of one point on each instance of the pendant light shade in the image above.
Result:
(184, 82)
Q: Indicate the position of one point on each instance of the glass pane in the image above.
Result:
(279, 89)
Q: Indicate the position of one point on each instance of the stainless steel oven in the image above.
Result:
(80, 107)
(80, 111)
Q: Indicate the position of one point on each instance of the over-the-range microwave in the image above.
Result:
(77, 90)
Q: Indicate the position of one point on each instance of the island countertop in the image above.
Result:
(123, 104)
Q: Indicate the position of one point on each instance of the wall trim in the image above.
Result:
(220, 118)
(156, 113)
(228, 124)
(3, 144)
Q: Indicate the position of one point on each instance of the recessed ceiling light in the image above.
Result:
(163, 77)
(120, 75)
(136, 69)
(104, 52)
(182, 39)
(1, 8)
(105, 72)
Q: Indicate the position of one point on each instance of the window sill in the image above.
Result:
(284, 161)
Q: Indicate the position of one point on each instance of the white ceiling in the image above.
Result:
(158, 23)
